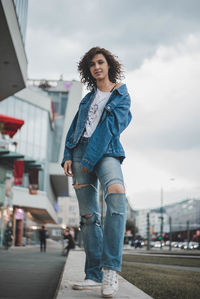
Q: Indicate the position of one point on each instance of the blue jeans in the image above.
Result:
(103, 248)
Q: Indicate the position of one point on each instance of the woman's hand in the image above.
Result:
(85, 170)
(68, 168)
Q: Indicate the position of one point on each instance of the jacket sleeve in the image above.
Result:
(116, 120)
(67, 151)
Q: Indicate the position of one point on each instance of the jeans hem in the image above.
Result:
(111, 268)
(91, 278)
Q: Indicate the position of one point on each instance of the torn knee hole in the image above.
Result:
(116, 188)
(88, 216)
(79, 186)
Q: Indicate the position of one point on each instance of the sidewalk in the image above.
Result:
(26, 273)
(74, 271)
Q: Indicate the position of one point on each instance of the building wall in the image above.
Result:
(17, 34)
(74, 99)
(32, 139)
(68, 211)
(155, 222)
(141, 222)
(130, 213)
(21, 7)
(181, 212)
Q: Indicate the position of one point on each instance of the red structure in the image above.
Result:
(10, 125)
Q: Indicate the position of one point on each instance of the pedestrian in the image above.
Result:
(8, 237)
(68, 235)
(93, 152)
(42, 237)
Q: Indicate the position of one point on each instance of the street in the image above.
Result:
(26, 273)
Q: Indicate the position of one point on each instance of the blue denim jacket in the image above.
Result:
(105, 139)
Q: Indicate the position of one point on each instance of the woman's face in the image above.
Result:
(99, 67)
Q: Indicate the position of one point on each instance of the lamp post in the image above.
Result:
(161, 216)
(148, 233)
(170, 233)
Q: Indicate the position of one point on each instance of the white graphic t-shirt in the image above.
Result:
(95, 112)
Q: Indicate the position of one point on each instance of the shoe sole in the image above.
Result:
(110, 295)
(78, 288)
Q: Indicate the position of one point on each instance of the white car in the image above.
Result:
(193, 245)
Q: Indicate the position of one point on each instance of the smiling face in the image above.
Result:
(99, 67)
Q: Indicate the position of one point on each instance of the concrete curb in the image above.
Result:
(73, 271)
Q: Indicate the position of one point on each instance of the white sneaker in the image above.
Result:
(87, 284)
(110, 284)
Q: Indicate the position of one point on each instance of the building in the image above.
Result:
(40, 144)
(185, 218)
(65, 96)
(31, 147)
(130, 212)
(68, 210)
(155, 222)
(13, 70)
(141, 222)
(33, 125)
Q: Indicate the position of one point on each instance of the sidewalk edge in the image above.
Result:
(60, 280)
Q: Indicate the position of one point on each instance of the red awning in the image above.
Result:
(10, 125)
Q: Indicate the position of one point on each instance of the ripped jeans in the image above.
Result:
(103, 248)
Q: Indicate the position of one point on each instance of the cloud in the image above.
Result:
(163, 139)
(132, 29)
(52, 59)
(166, 98)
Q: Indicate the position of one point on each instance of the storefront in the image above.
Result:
(8, 128)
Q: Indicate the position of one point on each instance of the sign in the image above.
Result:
(18, 172)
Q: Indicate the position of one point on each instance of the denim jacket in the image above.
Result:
(105, 139)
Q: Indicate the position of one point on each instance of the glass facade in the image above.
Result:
(21, 11)
(32, 138)
(60, 102)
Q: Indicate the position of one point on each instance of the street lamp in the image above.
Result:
(161, 214)
(161, 217)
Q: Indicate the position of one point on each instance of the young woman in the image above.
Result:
(93, 152)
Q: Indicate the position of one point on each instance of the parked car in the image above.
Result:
(184, 245)
(180, 244)
(197, 247)
(174, 244)
(167, 243)
(158, 244)
(193, 245)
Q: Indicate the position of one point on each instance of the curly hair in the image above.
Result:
(114, 73)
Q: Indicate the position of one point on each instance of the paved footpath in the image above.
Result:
(73, 271)
(26, 273)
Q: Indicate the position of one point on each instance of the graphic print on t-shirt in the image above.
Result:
(95, 112)
(91, 114)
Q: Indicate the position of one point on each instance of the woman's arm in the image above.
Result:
(67, 151)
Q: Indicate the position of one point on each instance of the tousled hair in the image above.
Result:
(115, 69)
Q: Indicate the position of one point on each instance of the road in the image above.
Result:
(26, 273)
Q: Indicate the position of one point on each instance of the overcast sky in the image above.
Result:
(158, 43)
